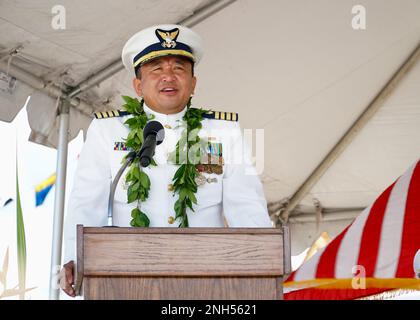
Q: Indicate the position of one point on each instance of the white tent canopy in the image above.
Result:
(296, 69)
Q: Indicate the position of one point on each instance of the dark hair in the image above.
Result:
(138, 74)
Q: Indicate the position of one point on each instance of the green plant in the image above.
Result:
(188, 153)
(138, 181)
(20, 289)
(21, 240)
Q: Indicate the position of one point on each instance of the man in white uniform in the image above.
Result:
(161, 60)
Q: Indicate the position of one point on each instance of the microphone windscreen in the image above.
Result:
(154, 127)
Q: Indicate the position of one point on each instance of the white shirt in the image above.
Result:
(236, 194)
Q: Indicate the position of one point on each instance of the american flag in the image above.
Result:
(372, 255)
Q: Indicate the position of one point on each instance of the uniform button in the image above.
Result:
(171, 187)
(167, 126)
(171, 220)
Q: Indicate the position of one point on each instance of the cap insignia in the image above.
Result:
(167, 38)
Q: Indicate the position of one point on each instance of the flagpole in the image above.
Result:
(60, 188)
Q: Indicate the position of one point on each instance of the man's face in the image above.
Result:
(166, 83)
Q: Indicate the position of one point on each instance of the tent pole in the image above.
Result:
(60, 188)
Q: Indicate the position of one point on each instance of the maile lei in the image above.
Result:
(187, 153)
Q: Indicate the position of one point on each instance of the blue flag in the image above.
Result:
(42, 189)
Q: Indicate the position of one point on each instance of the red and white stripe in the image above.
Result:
(383, 239)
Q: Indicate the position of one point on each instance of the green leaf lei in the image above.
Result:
(188, 153)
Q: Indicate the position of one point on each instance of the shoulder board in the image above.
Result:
(110, 114)
(220, 115)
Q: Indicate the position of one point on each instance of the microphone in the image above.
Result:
(153, 135)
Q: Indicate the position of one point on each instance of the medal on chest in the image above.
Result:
(211, 163)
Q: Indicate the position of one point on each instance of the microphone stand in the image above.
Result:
(145, 154)
(129, 160)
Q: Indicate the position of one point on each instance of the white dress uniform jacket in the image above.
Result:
(236, 194)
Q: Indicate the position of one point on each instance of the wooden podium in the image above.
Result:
(182, 263)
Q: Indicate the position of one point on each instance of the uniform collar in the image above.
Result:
(165, 119)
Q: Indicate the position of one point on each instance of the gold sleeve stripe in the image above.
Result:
(109, 114)
(221, 115)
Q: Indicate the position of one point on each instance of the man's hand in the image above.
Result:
(67, 279)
